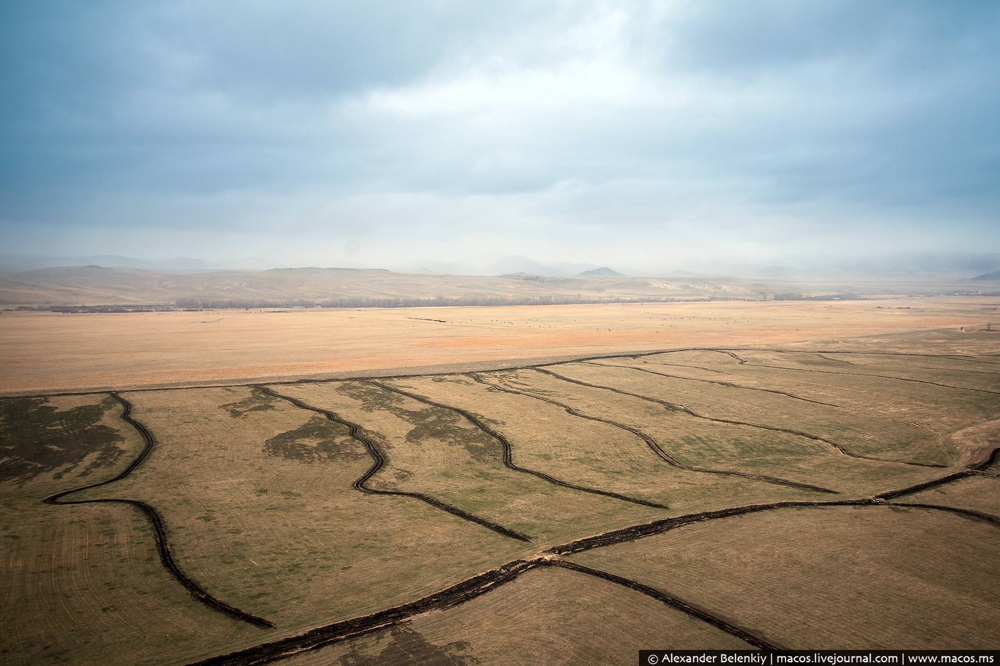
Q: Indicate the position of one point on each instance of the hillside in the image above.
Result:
(604, 271)
(94, 286)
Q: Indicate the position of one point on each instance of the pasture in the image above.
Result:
(797, 492)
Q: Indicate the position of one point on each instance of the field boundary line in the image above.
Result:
(159, 525)
(508, 449)
(465, 590)
(718, 382)
(655, 446)
(691, 412)
(379, 460)
(505, 573)
(673, 602)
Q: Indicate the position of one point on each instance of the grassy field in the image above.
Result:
(834, 578)
(549, 616)
(807, 493)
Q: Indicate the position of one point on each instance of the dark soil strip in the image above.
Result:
(740, 360)
(893, 494)
(494, 578)
(655, 446)
(865, 374)
(159, 526)
(379, 460)
(340, 631)
(633, 532)
(674, 365)
(507, 454)
(835, 360)
(968, 513)
(714, 381)
(673, 602)
(699, 367)
(691, 412)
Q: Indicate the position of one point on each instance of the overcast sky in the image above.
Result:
(648, 136)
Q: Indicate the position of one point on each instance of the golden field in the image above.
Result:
(499, 485)
(46, 352)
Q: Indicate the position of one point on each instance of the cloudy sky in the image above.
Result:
(649, 136)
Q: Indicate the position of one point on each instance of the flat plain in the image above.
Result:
(545, 484)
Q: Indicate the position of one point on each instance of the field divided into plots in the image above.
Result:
(578, 510)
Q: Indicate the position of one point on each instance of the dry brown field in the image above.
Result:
(547, 616)
(831, 577)
(505, 485)
(47, 352)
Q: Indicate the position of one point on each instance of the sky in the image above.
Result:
(453, 136)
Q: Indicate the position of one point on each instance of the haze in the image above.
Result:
(453, 136)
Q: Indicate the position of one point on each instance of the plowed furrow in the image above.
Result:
(865, 374)
(507, 450)
(717, 382)
(379, 461)
(339, 631)
(655, 446)
(158, 524)
(673, 602)
(687, 410)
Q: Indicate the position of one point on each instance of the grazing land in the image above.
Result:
(546, 484)
(46, 352)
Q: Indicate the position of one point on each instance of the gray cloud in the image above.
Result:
(647, 136)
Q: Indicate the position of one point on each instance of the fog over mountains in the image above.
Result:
(950, 266)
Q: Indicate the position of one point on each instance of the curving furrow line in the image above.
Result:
(790, 395)
(379, 461)
(673, 602)
(714, 381)
(507, 449)
(494, 578)
(971, 471)
(339, 631)
(158, 524)
(691, 412)
(654, 445)
(633, 532)
(866, 374)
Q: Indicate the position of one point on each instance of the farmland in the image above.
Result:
(396, 490)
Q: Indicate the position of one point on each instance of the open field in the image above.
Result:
(47, 352)
(831, 577)
(550, 495)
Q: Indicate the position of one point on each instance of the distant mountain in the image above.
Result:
(994, 276)
(603, 271)
(511, 265)
(341, 287)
